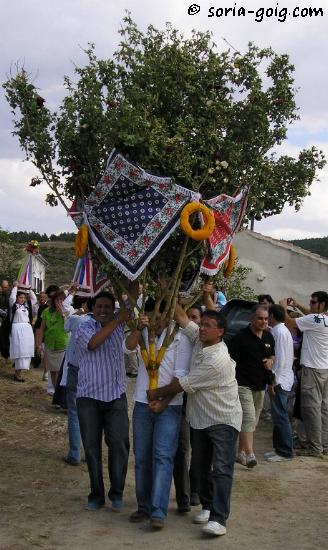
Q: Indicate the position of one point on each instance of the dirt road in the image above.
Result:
(274, 506)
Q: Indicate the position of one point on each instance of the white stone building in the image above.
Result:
(39, 265)
(280, 268)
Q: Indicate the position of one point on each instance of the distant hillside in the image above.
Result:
(61, 259)
(318, 245)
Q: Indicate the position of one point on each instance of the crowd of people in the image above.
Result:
(202, 416)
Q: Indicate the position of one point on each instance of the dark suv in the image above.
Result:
(238, 314)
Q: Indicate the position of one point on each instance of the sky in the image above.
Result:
(48, 38)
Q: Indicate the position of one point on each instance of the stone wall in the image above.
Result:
(280, 268)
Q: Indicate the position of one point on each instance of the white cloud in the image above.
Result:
(23, 207)
(310, 221)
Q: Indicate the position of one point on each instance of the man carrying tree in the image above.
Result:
(213, 411)
(101, 399)
(156, 424)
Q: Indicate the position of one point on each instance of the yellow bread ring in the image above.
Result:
(81, 241)
(209, 221)
(229, 264)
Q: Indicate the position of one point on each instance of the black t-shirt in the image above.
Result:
(4, 300)
(248, 350)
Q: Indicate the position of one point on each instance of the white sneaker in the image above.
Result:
(270, 453)
(277, 458)
(201, 517)
(241, 458)
(214, 528)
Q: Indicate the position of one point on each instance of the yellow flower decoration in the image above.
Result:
(209, 221)
(152, 363)
(229, 264)
(81, 241)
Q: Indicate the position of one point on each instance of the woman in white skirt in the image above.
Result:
(21, 332)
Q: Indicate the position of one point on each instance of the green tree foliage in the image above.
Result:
(176, 106)
(316, 245)
(64, 237)
(26, 236)
(10, 256)
(236, 285)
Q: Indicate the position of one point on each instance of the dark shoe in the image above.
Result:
(18, 379)
(71, 461)
(117, 505)
(308, 452)
(93, 505)
(194, 499)
(157, 523)
(299, 444)
(138, 516)
(183, 509)
(251, 461)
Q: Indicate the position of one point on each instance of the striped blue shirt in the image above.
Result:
(101, 371)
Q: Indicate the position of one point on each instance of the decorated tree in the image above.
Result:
(212, 121)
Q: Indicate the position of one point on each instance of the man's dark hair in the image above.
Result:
(220, 320)
(150, 305)
(267, 297)
(90, 303)
(104, 294)
(278, 313)
(51, 289)
(322, 297)
(196, 306)
(78, 301)
(257, 307)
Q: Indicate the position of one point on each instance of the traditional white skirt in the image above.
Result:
(23, 363)
(21, 341)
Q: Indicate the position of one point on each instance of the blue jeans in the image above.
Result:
(214, 451)
(111, 418)
(155, 440)
(282, 431)
(74, 436)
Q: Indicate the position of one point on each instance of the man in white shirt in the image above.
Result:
(283, 382)
(213, 411)
(314, 362)
(156, 424)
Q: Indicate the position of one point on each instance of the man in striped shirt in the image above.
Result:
(101, 400)
(213, 411)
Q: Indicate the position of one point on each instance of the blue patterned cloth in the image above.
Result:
(131, 213)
